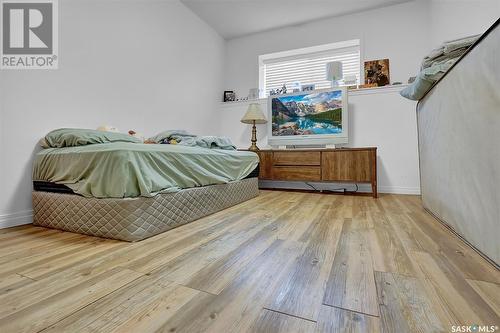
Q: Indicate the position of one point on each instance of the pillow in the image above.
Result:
(425, 80)
(417, 89)
(71, 137)
(169, 133)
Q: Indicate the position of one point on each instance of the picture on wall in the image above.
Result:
(377, 72)
(307, 113)
(229, 96)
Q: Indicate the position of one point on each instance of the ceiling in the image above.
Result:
(236, 18)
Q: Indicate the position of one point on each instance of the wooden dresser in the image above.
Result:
(346, 165)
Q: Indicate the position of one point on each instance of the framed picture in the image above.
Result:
(377, 72)
(229, 96)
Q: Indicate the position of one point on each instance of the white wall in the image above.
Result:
(398, 32)
(137, 65)
(452, 19)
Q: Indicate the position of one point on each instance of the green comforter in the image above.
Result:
(118, 170)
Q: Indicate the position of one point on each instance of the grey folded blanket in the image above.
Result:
(184, 138)
(435, 65)
(220, 142)
(448, 50)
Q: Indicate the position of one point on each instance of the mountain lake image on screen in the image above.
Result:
(307, 114)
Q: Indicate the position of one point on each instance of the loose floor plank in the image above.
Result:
(275, 322)
(351, 284)
(301, 292)
(335, 320)
(231, 310)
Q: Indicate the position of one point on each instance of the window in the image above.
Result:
(307, 65)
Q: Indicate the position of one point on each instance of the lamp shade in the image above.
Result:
(334, 71)
(254, 113)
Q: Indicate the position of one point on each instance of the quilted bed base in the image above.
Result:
(137, 218)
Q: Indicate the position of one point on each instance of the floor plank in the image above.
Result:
(301, 292)
(388, 252)
(43, 262)
(489, 292)
(455, 301)
(404, 305)
(335, 320)
(292, 225)
(11, 282)
(275, 322)
(351, 284)
(61, 304)
(464, 258)
(64, 240)
(141, 306)
(231, 311)
(216, 276)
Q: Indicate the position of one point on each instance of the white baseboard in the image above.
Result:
(15, 219)
(327, 186)
(399, 190)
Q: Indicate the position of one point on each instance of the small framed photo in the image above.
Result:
(377, 72)
(308, 87)
(229, 96)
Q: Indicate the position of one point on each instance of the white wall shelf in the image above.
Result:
(351, 92)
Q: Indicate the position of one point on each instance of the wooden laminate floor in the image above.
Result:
(282, 262)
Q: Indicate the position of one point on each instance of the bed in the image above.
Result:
(131, 191)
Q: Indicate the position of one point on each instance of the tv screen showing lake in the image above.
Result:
(307, 114)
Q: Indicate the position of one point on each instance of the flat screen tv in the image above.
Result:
(308, 118)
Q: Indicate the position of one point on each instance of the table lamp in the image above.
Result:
(254, 116)
(334, 72)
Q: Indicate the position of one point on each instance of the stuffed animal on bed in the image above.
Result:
(137, 135)
(107, 128)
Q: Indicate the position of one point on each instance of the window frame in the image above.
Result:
(297, 53)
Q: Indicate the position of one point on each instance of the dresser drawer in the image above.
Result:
(299, 173)
(297, 158)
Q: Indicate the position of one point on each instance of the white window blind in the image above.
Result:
(307, 67)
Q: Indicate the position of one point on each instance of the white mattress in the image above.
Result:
(459, 145)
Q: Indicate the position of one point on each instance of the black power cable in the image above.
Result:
(340, 189)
